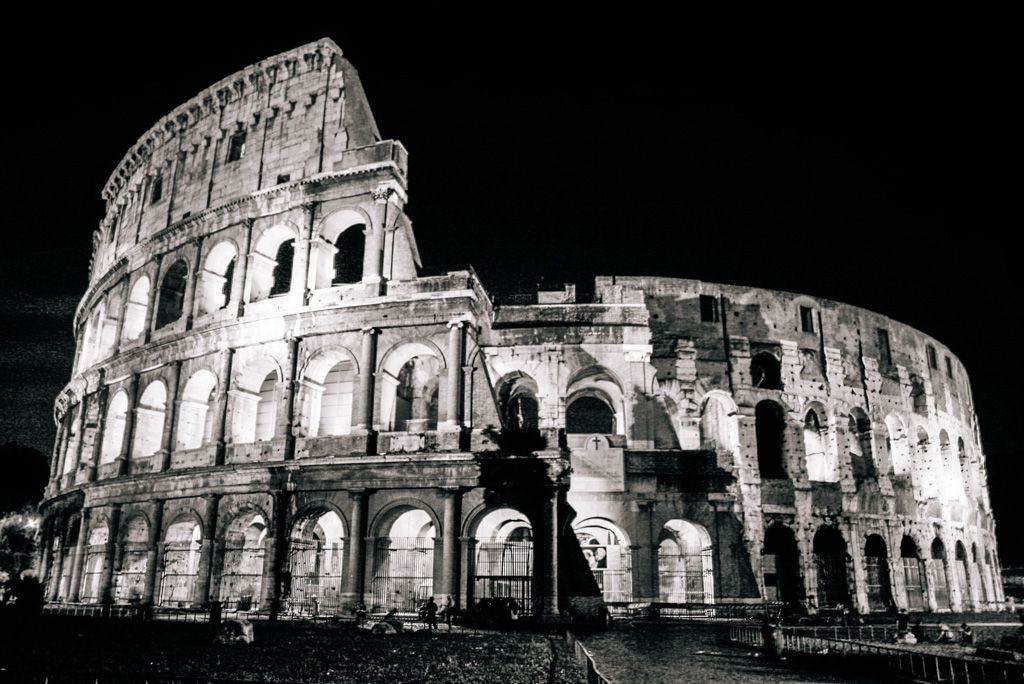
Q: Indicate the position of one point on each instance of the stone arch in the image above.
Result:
(594, 402)
(898, 445)
(95, 559)
(195, 413)
(830, 556)
(963, 576)
(403, 556)
(171, 298)
(877, 579)
(862, 457)
(914, 573)
(770, 429)
(217, 276)
(410, 374)
(271, 268)
(719, 429)
(606, 548)
(685, 563)
(149, 420)
(135, 310)
(329, 383)
(255, 401)
(517, 401)
(503, 557)
(938, 575)
(114, 426)
(316, 559)
(242, 558)
(341, 252)
(780, 565)
(182, 543)
(820, 468)
(130, 579)
(765, 371)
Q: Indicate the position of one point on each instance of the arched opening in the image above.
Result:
(135, 312)
(68, 553)
(172, 294)
(819, 466)
(517, 396)
(608, 555)
(217, 276)
(266, 409)
(503, 566)
(348, 257)
(316, 563)
(966, 476)
(914, 574)
(403, 563)
(73, 419)
(336, 400)
(862, 459)
(181, 563)
(590, 414)
(195, 414)
(95, 557)
(963, 578)
(938, 577)
(987, 576)
(926, 460)
(107, 337)
(254, 402)
(409, 392)
(271, 265)
(765, 371)
(149, 420)
(685, 565)
(770, 427)
(830, 562)
(130, 580)
(876, 565)
(918, 396)
(717, 425)
(898, 447)
(241, 578)
(113, 428)
(780, 565)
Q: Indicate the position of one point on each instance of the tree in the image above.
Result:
(25, 475)
(17, 544)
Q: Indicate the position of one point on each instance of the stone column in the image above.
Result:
(468, 571)
(119, 328)
(58, 451)
(107, 579)
(278, 550)
(240, 281)
(172, 407)
(83, 411)
(549, 566)
(58, 562)
(202, 596)
(454, 396)
(450, 545)
(291, 370)
(221, 423)
(62, 450)
(352, 590)
(304, 268)
(191, 298)
(78, 560)
(644, 555)
(129, 425)
(374, 250)
(155, 554)
(154, 291)
(102, 396)
(367, 371)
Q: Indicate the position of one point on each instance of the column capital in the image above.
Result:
(449, 492)
(459, 323)
(357, 493)
(382, 193)
(370, 331)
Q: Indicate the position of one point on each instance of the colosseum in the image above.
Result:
(275, 406)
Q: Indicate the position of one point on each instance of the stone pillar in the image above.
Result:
(278, 550)
(221, 423)
(154, 555)
(102, 396)
(58, 451)
(374, 250)
(352, 590)
(119, 328)
(240, 281)
(191, 298)
(549, 567)
(367, 371)
(202, 596)
(107, 579)
(62, 450)
(58, 562)
(83, 411)
(454, 396)
(78, 560)
(468, 568)
(291, 370)
(644, 555)
(304, 267)
(172, 407)
(154, 291)
(450, 545)
(129, 425)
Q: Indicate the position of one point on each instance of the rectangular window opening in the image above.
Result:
(949, 367)
(236, 147)
(933, 362)
(157, 190)
(884, 353)
(709, 308)
(807, 319)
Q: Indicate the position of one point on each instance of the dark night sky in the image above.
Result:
(871, 167)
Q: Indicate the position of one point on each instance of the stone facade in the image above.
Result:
(274, 406)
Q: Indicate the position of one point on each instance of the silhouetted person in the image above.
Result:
(430, 610)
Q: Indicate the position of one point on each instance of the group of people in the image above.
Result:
(914, 634)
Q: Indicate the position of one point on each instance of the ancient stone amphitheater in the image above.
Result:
(275, 406)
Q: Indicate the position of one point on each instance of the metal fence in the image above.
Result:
(696, 611)
(586, 661)
(921, 666)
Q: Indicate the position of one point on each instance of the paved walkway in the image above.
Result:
(691, 652)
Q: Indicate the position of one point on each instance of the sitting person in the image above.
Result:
(966, 634)
(945, 634)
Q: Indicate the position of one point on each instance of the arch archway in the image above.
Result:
(765, 371)
(95, 560)
(113, 430)
(403, 561)
(149, 420)
(770, 428)
(878, 582)
(171, 300)
(130, 581)
(241, 577)
(195, 414)
(410, 381)
(182, 543)
(316, 563)
(963, 577)
(503, 559)
(819, 466)
(271, 267)
(517, 398)
(217, 276)
(914, 573)
(830, 562)
(329, 385)
(862, 457)
(937, 575)
(780, 565)
(607, 552)
(135, 311)
(685, 564)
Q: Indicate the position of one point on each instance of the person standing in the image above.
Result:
(431, 613)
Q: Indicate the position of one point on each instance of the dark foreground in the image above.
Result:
(660, 653)
(81, 650)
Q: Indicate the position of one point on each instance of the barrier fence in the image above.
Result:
(922, 666)
(586, 660)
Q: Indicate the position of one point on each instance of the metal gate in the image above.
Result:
(686, 578)
(832, 589)
(90, 587)
(316, 577)
(940, 584)
(403, 574)
(877, 581)
(504, 570)
(913, 570)
(241, 579)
